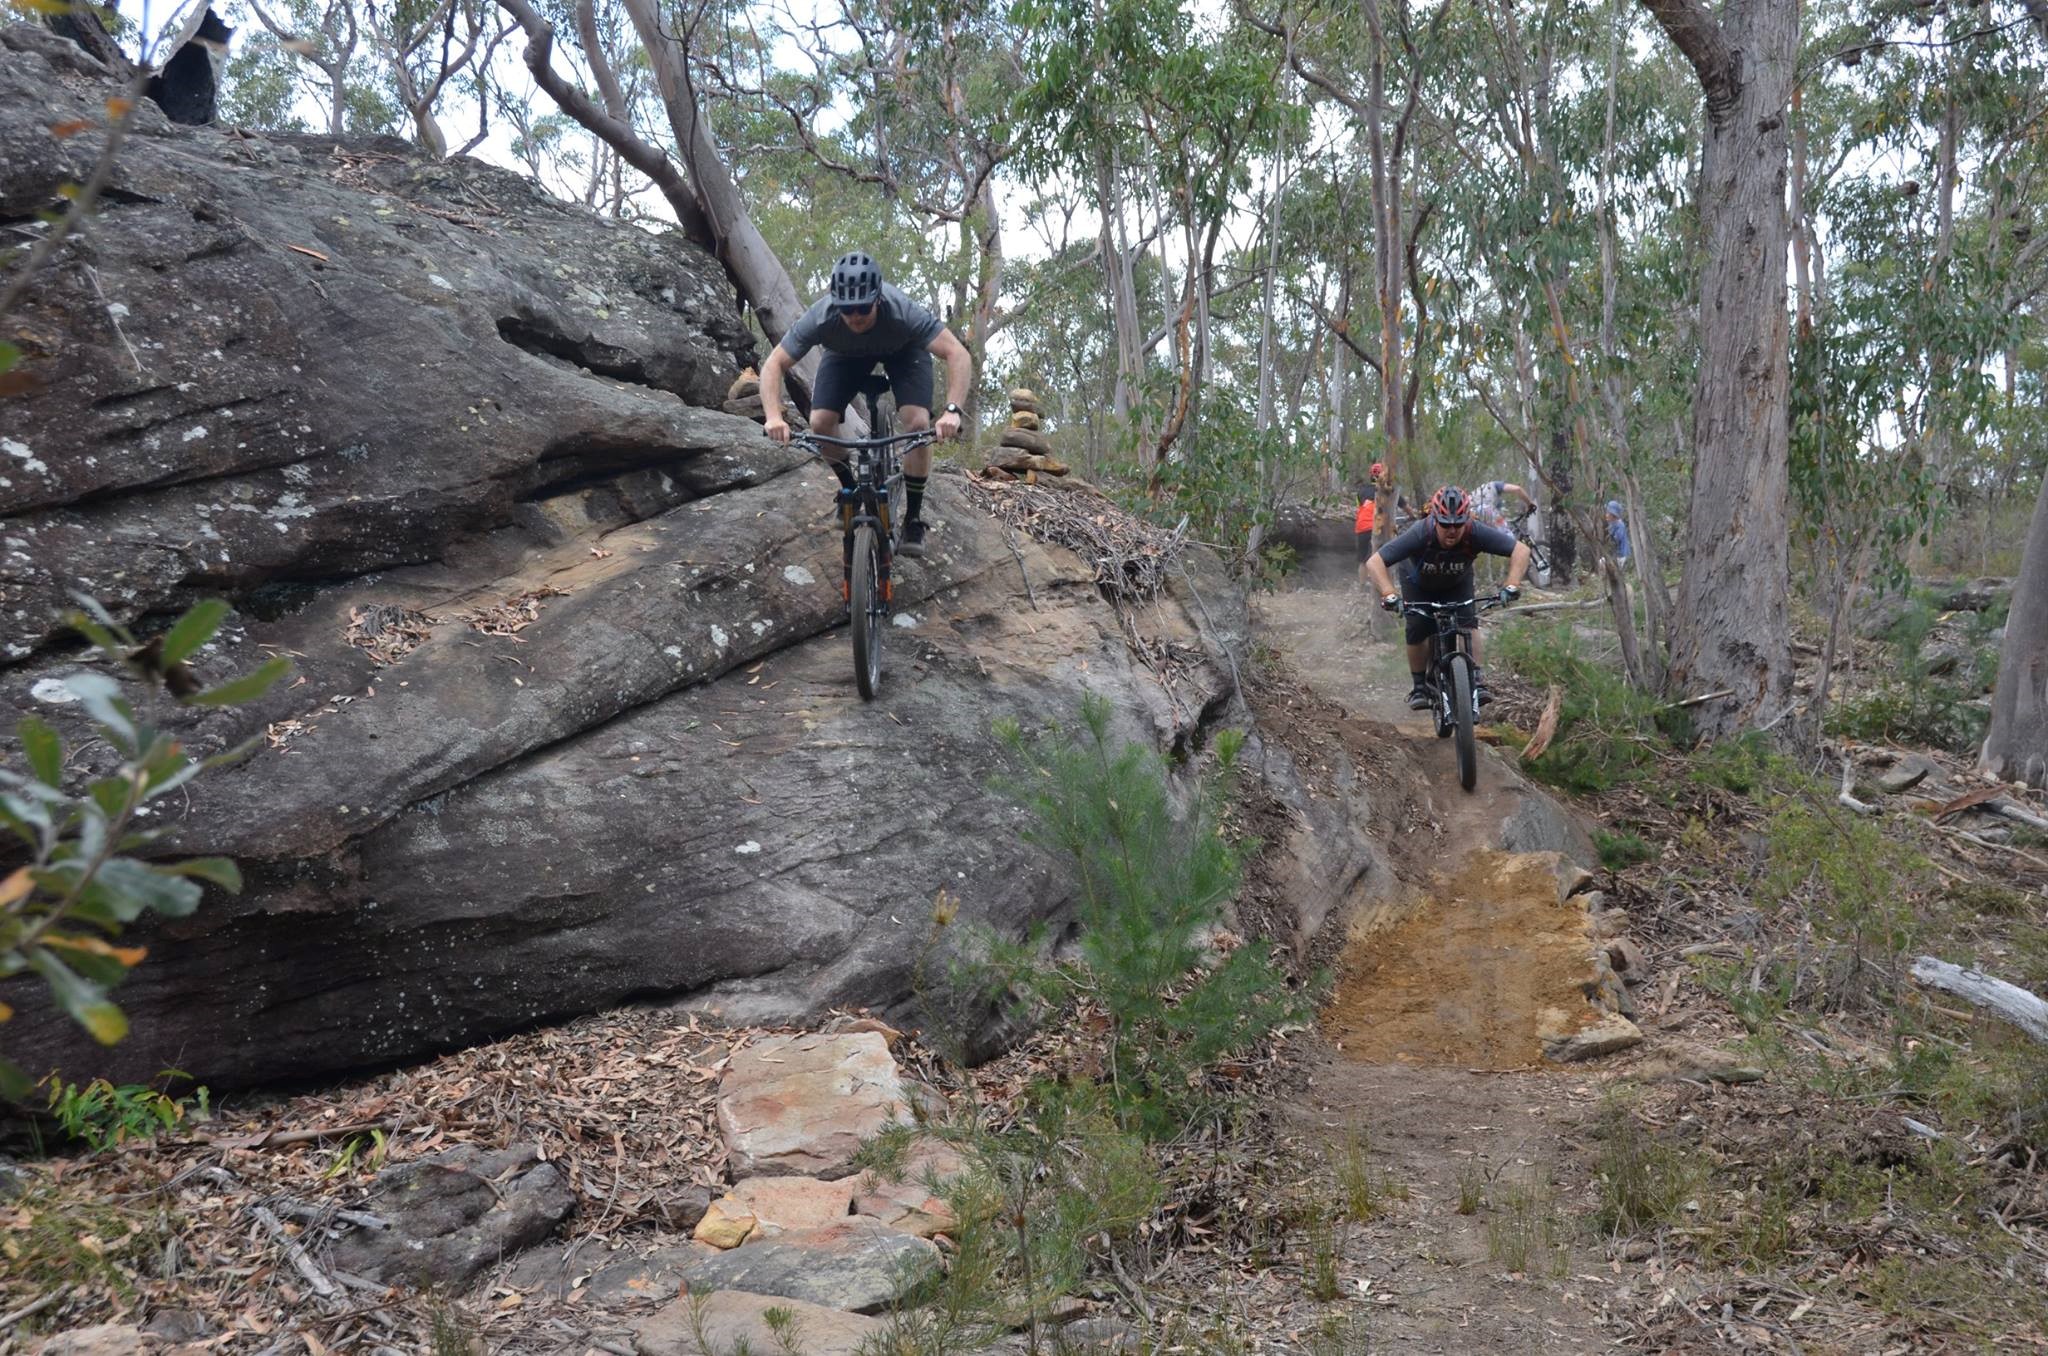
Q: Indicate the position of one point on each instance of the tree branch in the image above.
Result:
(649, 160)
(1699, 40)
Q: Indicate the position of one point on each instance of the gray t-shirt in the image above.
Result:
(900, 323)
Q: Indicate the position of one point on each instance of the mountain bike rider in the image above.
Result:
(1438, 553)
(861, 322)
(1490, 501)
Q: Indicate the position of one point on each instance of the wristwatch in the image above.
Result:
(955, 409)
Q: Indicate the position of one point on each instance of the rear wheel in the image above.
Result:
(865, 600)
(1461, 718)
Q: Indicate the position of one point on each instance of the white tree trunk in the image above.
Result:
(2017, 747)
(1732, 628)
(739, 242)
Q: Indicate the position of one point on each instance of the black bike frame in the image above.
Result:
(1449, 638)
(874, 473)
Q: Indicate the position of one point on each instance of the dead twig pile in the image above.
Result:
(513, 615)
(1130, 556)
(387, 633)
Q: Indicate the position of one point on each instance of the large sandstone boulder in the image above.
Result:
(573, 719)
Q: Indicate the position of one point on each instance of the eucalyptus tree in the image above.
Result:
(427, 45)
(2017, 747)
(1384, 93)
(1140, 92)
(333, 63)
(1733, 629)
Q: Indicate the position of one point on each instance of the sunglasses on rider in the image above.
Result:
(857, 312)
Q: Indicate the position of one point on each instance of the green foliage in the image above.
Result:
(1361, 1187)
(82, 881)
(1618, 851)
(1747, 765)
(1854, 881)
(1319, 1280)
(1525, 1232)
(1645, 1180)
(1471, 1188)
(1758, 994)
(99, 1114)
(1916, 704)
(1150, 884)
(1607, 731)
(1038, 1206)
(258, 90)
(1228, 483)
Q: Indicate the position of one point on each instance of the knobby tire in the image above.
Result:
(1461, 716)
(867, 625)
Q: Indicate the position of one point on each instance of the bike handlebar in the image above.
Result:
(921, 435)
(1424, 607)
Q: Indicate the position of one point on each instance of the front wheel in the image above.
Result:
(864, 598)
(1461, 717)
(1539, 566)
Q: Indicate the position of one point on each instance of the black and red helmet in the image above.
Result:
(856, 282)
(1450, 507)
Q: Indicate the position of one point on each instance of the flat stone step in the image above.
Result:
(859, 1266)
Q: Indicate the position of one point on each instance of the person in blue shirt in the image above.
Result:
(1617, 530)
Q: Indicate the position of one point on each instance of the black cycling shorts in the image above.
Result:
(1365, 546)
(840, 376)
(1421, 629)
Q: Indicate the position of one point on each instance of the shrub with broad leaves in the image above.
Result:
(86, 875)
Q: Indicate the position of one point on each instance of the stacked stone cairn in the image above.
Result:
(1024, 452)
(743, 398)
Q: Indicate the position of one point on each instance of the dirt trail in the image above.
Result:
(1430, 1047)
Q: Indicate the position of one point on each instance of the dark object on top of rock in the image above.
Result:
(189, 84)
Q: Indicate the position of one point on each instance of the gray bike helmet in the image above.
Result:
(856, 282)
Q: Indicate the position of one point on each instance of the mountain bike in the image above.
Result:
(1449, 676)
(1539, 552)
(870, 512)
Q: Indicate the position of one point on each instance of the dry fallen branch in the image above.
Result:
(1546, 726)
(2016, 1005)
(322, 1284)
(1847, 799)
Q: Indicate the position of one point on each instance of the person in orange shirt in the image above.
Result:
(1363, 523)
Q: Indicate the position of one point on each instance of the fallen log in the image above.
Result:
(2016, 1005)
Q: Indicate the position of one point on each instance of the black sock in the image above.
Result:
(844, 472)
(1416, 674)
(913, 497)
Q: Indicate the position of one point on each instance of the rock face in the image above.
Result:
(574, 719)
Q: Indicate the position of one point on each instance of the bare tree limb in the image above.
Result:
(2023, 1009)
(649, 160)
(1699, 39)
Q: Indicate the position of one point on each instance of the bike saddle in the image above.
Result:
(874, 384)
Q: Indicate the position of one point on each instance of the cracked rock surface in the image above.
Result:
(573, 719)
